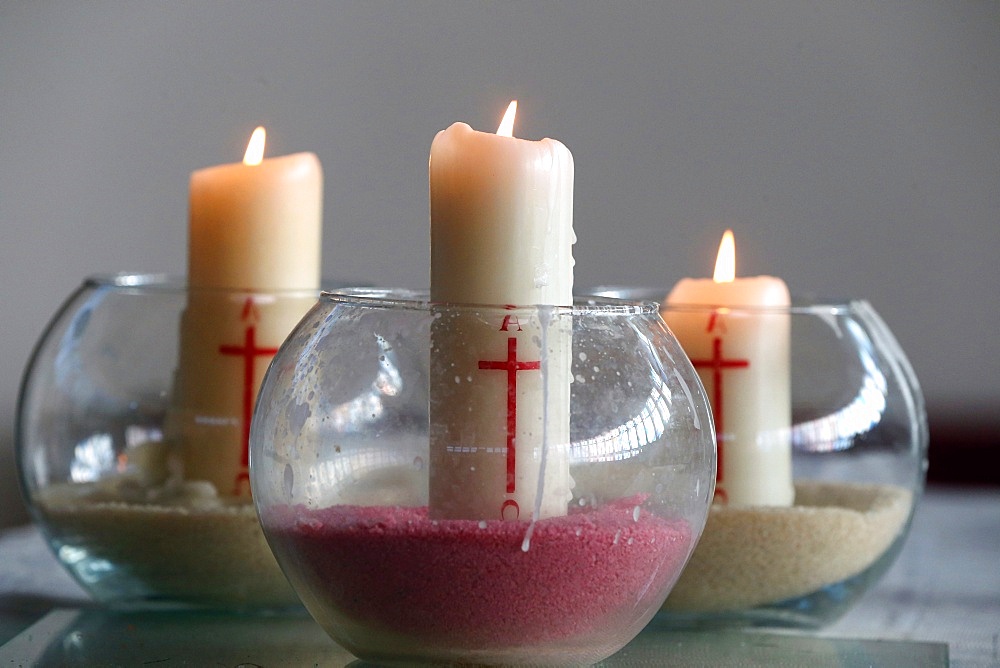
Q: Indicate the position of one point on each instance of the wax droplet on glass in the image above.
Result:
(635, 514)
(482, 524)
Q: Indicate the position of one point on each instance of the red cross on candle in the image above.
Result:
(718, 363)
(511, 365)
(249, 352)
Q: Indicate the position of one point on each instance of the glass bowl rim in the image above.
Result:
(419, 300)
(801, 304)
(601, 299)
(152, 282)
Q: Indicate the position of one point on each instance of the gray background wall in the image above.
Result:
(854, 147)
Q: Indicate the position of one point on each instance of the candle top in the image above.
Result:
(503, 137)
(501, 217)
(291, 166)
(256, 224)
(724, 289)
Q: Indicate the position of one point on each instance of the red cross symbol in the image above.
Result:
(718, 363)
(249, 352)
(511, 365)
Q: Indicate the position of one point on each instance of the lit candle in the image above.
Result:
(741, 352)
(253, 271)
(501, 234)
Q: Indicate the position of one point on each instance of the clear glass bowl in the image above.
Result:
(481, 484)
(131, 436)
(818, 399)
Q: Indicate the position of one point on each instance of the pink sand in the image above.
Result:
(470, 583)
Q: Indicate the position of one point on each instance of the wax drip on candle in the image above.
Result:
(544, 320)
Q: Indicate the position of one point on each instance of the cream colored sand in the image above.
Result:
(751, 556)
(189, 547)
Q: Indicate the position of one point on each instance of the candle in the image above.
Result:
(741, 352)
(253, 271)
(501, 234)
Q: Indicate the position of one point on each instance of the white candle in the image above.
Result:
(741, 352)
(501, 234)
(254, 270)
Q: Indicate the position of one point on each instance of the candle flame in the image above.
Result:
(255, 148)
(725, 263)
(506, 128)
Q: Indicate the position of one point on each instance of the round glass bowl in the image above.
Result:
(822, 458)
(482, 484)
(132, 429)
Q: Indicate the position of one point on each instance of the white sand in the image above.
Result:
(749, 556)
(189, 547)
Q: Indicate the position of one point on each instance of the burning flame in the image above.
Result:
(255, 148)
(725, 263)
(506, 128)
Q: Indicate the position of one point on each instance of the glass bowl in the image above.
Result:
(131, 439)
(822, 441)
(490, 484)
